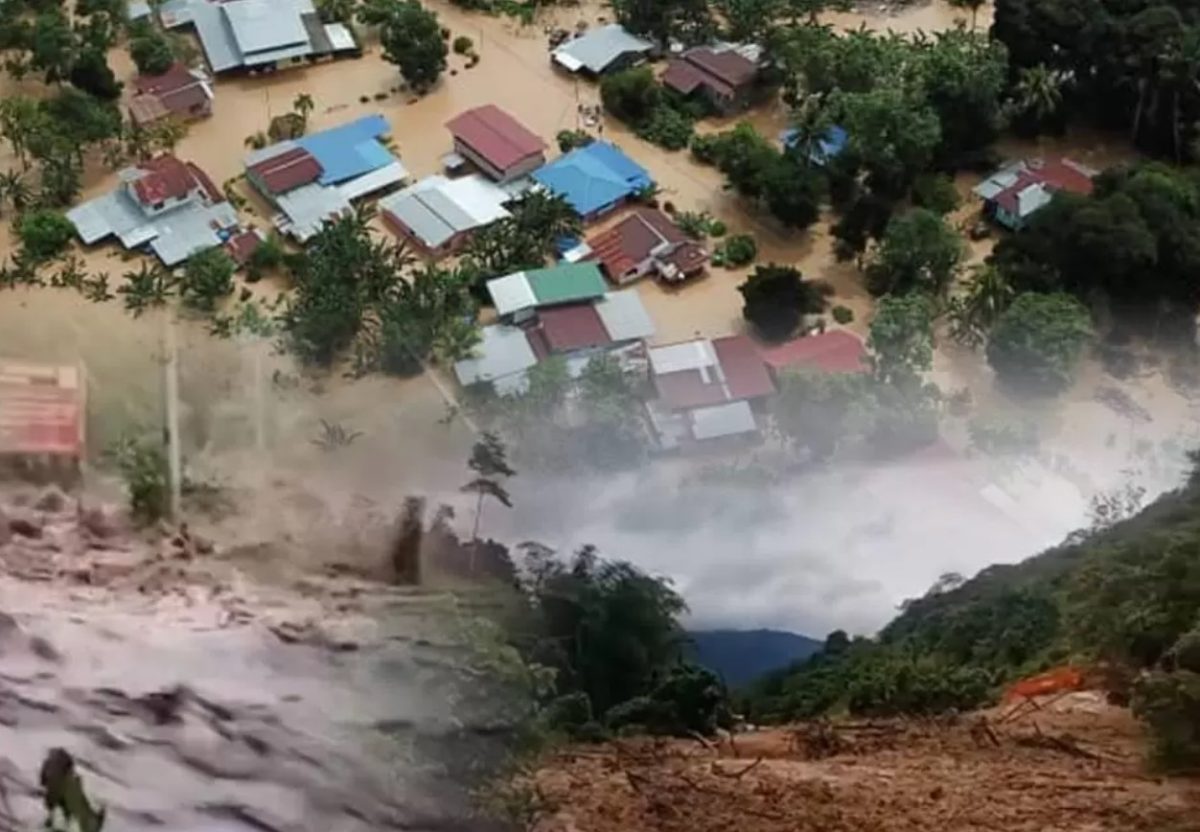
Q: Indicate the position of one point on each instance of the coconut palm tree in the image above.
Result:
(303, 105)
(14, 191)
(256, 141)
(987, 296)
(1038, 92)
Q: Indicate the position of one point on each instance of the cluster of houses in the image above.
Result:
(704, 389)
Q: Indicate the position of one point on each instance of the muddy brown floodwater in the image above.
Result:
(198, 699)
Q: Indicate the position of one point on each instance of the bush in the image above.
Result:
(641, 714)
(739, 250)
(632, 95)
(151, 52)
(143, 467)
(668, 128)
(1169, 703)
(1037, 342)
(716, 228)
(207, 279)
(776, 298)
(462, 45)
(569, 713)
(267, 257)
(842, 315)
(44, 234)
(917, 687)
(935, 192)
(704, 149)
(568, 140)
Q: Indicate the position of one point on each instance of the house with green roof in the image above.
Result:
(518, 296)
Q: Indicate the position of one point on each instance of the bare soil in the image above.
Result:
(1074, 767)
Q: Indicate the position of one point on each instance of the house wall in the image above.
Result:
(516, 171)
(1004, 217)
(398, 227)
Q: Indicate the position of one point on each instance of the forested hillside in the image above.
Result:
(1123, 602)
(741, 656)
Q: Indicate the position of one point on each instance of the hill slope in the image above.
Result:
(1121, 597)
(741, 656)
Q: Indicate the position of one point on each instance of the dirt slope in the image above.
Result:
(1076, 766)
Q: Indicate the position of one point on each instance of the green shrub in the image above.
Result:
(668, 128)
(462, 45)
(842, 314)
(44, 233)
(1169, 703)
(568, 140)
(207, 279)
(704, 148)
(935, 192)
(739, 250)
(143, 467)
(717, 229)
(570, 712)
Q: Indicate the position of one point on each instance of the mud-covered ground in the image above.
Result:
(1080, 768)
(195, 697)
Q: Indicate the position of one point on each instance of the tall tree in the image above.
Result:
(776, 299)
(919, 252)
(489, 462)
(1037, 342)
(412, 40)
(901, 339)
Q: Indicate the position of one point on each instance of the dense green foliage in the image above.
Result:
(151, 51)
(1038, 340)
(776, 299)
(1128, 65)
(523, 240)
(1126, 595)
(1134, 241)
(690, 21)
(207, 280)
(412, 40)
(918, 252)
(44, 234)
(350, 293)
(611, 633)
(654, 113)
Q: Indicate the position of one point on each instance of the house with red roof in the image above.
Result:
(164, 204)
(496, 143)
(1014, 193)
(833, 351)
(708, 389)
(725, 75)
(181, 93)
(645, 242)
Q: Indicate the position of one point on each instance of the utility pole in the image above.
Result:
(171, 386)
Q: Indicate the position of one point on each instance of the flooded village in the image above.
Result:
(295, 469)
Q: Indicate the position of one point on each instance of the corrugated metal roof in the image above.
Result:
(341, 39)
(191, 230)
(743, 367)
(511, 293)
(350, 149)
(566, 283)
(437, 208)
(594, 177)
(625, 316)
(376, 180)
(687, 355)
(213, 30)
(265, 25)
(723, 420)
(495, 135)
(573, 327)
(599, 47)
(41, 409)
(309, 207)
(289, 169)
(501, 357)
(836, 351)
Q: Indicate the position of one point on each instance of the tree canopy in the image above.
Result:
(919, 252)
(412, 40)
(776, 299)
(1038, 340)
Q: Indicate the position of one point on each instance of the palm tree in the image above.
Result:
(256, 141)
(987, 296)
(303, 105)
(14, 191)
(1039, 92)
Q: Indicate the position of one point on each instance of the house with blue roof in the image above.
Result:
(829, 146)
(315, 178)
(595, 179)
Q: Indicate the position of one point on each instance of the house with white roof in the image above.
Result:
(601, 50)
(166, 205)
(439, 214)
(259, 35)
